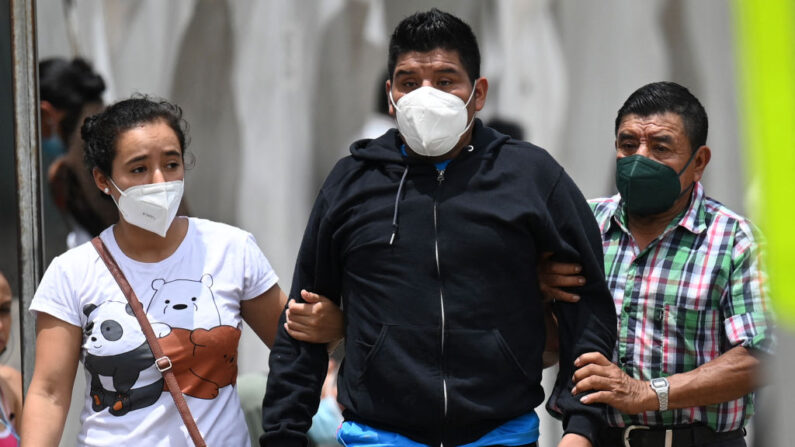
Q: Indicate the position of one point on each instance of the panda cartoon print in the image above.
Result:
(203, 350)
(123, 375)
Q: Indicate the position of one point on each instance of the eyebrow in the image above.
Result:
(451, 70)
(407, 72)
(404, 72)
(136, 159)
(169, 153)
(664, 138)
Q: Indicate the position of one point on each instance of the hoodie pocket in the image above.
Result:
(400, 378)
(487, 377)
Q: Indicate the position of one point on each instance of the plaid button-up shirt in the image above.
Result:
(694, 293)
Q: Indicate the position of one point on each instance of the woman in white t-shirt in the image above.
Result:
(197, 280)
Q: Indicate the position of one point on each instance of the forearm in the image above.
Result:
(583, 329)
(44, 416)
(262, 313)
(728, 377)
(50, 393)
(296, 375)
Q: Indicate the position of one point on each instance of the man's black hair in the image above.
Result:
(101, 132)
(69, 85)
(427, 31)
(662, 97)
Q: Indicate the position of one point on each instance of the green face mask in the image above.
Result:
(646, 186)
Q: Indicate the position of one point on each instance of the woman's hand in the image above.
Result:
(317, 320)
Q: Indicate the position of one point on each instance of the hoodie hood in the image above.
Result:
(386, 148)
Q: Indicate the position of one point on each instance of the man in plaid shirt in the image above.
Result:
(688, 286)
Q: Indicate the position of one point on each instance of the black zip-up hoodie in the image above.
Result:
(436, 274)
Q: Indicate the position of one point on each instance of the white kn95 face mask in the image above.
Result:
(430, 120)
(152, 206)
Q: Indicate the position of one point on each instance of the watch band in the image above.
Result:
(660, 386)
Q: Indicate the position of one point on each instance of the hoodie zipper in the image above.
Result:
(439, 180)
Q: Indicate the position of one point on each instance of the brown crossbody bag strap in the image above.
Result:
(162, 361)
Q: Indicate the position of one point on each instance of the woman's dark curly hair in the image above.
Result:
(101, 131)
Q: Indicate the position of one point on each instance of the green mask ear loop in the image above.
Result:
(689, 188)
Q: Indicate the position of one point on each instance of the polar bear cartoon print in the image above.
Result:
(202, 350)
(184, 303)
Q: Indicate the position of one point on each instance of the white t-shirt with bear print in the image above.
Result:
(192, 299)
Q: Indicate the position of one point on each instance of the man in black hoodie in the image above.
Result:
(429, 237)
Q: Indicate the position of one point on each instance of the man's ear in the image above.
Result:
(387, 90)
(701, 161)
(50, 117)
(481, 90)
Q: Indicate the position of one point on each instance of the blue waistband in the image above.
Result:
(520, 431)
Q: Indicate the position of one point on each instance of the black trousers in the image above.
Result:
(739, 442)
(614, 438)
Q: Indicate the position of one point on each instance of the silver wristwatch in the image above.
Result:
(660, 386)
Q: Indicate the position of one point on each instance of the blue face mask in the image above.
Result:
(53, 146)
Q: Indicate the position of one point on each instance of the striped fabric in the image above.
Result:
(695, 292)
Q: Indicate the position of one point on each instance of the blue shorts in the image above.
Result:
(520, 431)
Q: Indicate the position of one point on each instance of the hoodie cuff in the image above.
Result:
(282, 442)
(584, 426)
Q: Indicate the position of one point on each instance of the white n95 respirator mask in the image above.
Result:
(152, 206)
(430, 120)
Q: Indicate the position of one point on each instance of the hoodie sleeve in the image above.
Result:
(297, 369)
(590, 324)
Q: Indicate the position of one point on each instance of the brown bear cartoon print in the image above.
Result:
(203, 350)
(203, 360)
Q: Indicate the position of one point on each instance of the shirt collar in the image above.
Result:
(693, 220)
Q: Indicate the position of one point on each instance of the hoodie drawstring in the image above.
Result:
(397, 205)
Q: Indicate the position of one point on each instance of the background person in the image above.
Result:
(10, 378)
(69, 91)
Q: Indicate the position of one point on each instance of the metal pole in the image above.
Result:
(26, 150)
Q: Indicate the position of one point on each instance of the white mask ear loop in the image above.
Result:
(115, 186)
(471, 95)
(107, 190)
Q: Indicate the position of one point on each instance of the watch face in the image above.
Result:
(658, 383)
